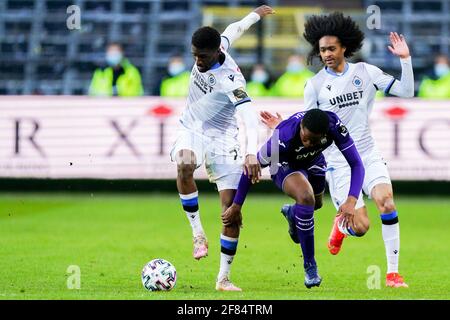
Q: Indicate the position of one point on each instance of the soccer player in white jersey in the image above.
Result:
(208, 134)
(349, 90)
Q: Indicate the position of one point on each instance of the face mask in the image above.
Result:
(295, 67)
(114, 58)
(260, 76)
(176, 68)
(441, 69)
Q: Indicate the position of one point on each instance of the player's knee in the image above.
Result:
(387, 204)
(362, 228)
(305, 198)
(185, 157)
(186, 171)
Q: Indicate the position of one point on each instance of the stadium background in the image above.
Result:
(62, 153)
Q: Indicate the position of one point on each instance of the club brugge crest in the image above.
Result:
(211, 80)
(357, 82)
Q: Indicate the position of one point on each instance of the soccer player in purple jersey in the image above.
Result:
(297, 167)
(349, 89)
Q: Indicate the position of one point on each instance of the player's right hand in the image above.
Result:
(270, 120)
(264, 10)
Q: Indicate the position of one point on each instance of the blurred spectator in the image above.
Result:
(120, 78)
(259, 80)
(292, 82)
(437, 85)
(176, 84)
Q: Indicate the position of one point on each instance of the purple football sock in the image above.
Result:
(304, 222)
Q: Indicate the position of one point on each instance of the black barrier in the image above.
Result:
(441, 188)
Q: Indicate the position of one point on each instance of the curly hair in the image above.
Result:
(334, 24)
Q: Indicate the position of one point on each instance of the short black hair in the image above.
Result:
(206, 38)
(334, 24)
(316, 121)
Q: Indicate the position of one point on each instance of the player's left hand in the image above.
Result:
(232, 216)
(347, 209)
(252, 168)
(270, 120)
(264, 10)
(398, 45)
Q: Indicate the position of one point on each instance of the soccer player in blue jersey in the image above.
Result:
(297, 167)
(349, 89)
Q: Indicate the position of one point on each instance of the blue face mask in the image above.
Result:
(295, 67)
(260, 76)
(441, 69)
(114, 58)
(176, 68)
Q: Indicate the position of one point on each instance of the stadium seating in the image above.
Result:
(39, 55)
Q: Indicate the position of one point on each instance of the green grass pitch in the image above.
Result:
(111, 237)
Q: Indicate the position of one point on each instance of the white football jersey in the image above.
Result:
(213, 97)
(351, 96)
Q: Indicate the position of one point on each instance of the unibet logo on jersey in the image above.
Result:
(347, 99)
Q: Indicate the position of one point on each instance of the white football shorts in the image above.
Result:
(222, 157)
(338, 178)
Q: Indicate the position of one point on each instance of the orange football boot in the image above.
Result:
(336, 237)
(395, 280)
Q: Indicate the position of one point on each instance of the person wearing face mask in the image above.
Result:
(119, 78)
(176, 84)
(292, 82)
(437, 86)
(257, 86)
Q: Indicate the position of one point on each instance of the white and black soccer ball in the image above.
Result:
(159, 275)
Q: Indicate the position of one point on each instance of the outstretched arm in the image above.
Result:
(235, 30)
(399, 47)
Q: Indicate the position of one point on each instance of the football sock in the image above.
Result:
(391, 236)
(347, 231)
(304, 221)
(190, 206)
(228, 247)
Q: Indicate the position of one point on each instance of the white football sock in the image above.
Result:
(228, 245)
(190, 201)
(391, 237)
(225, 265)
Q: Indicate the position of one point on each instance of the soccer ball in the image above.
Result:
(159, 274)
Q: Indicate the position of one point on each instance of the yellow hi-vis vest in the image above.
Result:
(177, 86)
(128, 84)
